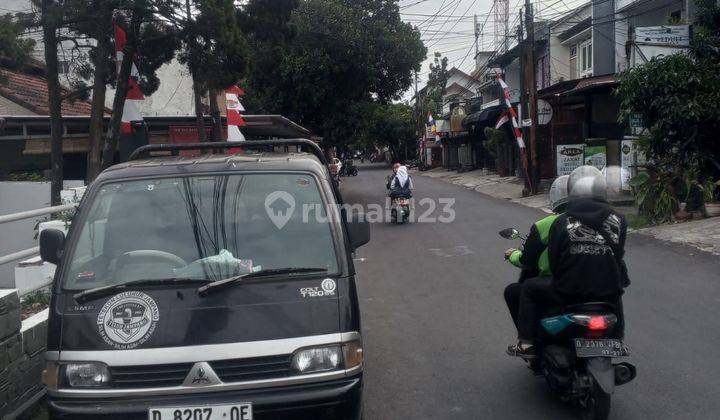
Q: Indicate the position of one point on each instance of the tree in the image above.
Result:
(51, 16)
(435, 88)
(151, 42)
(14, 50)
(93, 20)
(339, 53)
(677, 97)
(223, 52)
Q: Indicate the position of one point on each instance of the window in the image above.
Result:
(207, 227)
(573, 62)
(585, 64)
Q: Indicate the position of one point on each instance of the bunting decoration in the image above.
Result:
(133, 97)
(234, 118)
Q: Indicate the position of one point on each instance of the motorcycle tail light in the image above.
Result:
(597, 322)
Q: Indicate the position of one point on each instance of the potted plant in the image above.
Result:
(712, 198)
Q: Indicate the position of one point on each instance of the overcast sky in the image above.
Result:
(447, 27)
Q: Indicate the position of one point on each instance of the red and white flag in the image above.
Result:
(234, 118)
(510, 114)
(133, 97)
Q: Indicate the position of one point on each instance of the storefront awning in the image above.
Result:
(591, 84)
(486, 117)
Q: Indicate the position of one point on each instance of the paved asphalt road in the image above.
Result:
(435, 325)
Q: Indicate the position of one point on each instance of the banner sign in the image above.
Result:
(596, 156)
(569, 157)
(677, 35)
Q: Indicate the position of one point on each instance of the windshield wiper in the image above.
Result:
(102, 290)
(219, 284)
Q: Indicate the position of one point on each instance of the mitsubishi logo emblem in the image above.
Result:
(201, 374)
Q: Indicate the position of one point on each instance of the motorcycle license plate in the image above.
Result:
(606, 347)
(241, 411)
(403, 201)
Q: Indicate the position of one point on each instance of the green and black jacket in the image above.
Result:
(534, 256)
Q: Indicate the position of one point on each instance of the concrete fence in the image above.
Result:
(22, 356)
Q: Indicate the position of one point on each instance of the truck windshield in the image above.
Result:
(201, 227)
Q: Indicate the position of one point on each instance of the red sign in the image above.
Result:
(183, 134)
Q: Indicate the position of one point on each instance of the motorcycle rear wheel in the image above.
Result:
(597, 404)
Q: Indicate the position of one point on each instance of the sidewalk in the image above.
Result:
(509, 188)
(702, 234)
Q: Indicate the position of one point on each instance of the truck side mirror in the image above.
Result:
(52, 243)
(358, 229)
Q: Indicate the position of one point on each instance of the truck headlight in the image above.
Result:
(317, 359)
(320, 359)
(88, 374)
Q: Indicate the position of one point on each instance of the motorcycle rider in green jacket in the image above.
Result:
(533, 258)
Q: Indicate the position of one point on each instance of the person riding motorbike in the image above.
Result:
(401, 184)
(585, 252)
(533, 259)
(389, 178)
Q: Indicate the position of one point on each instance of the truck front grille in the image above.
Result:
(149, 376)
(252, 369)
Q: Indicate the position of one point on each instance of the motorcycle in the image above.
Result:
(575, 350)
(400, 210)
(348, 169)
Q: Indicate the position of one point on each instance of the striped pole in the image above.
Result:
(133, 97)
(516, 127)
(234, 118)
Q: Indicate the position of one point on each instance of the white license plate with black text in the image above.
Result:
(600, 348)
(242, 411)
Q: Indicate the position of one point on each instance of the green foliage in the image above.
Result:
(387, 125)
(41, 297)
(14, 51)
(332, 59)
(654, 195)
(215, 48)
(677, 96)
(435, 89)
(495, 139)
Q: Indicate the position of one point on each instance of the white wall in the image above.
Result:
(173, 97)
(559, 57)
(640, 14)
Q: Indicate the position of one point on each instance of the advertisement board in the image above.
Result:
(569, 157)
(596, 156)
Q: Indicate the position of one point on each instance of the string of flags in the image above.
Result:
(133, 97)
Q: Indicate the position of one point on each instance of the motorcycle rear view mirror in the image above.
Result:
(509, 233)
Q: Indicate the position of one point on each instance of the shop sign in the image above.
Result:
(596, 156)
(569, 157)
(676, 35)
(544, 112)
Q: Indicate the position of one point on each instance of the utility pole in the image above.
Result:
(475, 25)
(523, 103)
(532, 95)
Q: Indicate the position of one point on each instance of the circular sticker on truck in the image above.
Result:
(128, 319)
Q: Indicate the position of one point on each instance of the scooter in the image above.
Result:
(574, 351)
(400, 210)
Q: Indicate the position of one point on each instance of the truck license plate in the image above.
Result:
(241, 411)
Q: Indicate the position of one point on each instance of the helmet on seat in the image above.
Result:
(587, 182)
(558, 194)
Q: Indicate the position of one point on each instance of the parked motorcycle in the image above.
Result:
(575, 350)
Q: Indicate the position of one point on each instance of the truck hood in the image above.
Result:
(175, 316)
